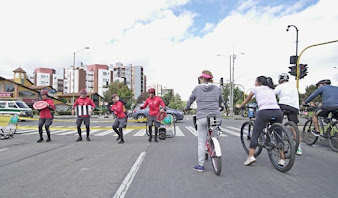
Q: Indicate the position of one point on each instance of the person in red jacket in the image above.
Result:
(121, 119)
(154, 103)
(84, 108)
(46, 117)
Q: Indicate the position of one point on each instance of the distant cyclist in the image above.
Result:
(268, 108)
(154, 103)
(329, 95)
(209, 99)
(288, 100)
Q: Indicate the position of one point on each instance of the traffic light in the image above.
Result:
(221, 81)
(302, 70)
(293, 70)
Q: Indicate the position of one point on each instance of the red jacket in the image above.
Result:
(117, 108)
(84, 101)
(154, 105)
(46, 112)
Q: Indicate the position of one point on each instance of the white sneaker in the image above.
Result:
(249, 161)
(299, 151)
(281, 162)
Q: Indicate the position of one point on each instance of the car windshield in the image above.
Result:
(22, 105)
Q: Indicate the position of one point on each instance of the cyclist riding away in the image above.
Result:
(329, 95)
(154, 103)
(209, 99)
(288, 100)
(268, 108)
(46, 117)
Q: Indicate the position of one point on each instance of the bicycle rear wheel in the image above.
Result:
(308, 137)
(295, 133)
(333, 136)
(215, 157)
(281, 143)
(246, 134)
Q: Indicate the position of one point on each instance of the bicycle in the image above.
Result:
(276, 138)
(213, 148)
(167, 125)
(329, 130)
(293, 128)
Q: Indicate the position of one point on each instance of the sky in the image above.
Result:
(174, 40)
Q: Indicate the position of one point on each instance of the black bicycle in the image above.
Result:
(328, 129)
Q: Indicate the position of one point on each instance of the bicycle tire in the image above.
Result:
(333, 136)
(206, 156)
(215, 158)
(297, 138)
(246, 134)
(308, 137)
(286, 145)
(147, 131)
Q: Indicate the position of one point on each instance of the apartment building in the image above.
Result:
(45, 77)
(98, 77)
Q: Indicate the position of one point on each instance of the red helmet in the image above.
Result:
(151, 90)
(43, 92)
(83, 92)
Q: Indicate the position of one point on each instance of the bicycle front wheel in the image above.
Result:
(295, 133)
(308, 137)
(246, 134)
(333, 136)
(215, 156)
(281, 148)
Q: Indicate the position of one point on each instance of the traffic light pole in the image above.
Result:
(297, 77)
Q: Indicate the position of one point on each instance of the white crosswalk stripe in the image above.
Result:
(125, 132)
(230, 132)
(142, 132)
(105, 133)
(178, 131)
(192, 130)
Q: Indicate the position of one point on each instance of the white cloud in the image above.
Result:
(46, 33)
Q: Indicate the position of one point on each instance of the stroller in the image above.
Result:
(167, 128)
(8, 126)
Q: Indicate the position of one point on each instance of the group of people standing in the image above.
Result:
(84, 107)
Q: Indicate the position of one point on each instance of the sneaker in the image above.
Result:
(249, 161)
(315, 133)
(40, 140)
(149, 140)
(281, 162)
(118, 138)
(121, 141)
(299, 151)
(48, 140)
(156, 140)
(199, 168)
(79, 139)
(88, 139)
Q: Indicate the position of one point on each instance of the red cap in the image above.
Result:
(151, 90)
(43, 92)
(114, 95)
(83, 92)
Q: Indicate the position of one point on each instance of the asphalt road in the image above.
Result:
(103, 168)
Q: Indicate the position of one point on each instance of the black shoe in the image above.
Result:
(149, 140)
(315, 133)
(79, 139)
(118, 138)
(156, 140)
(121, 141)
(88, 139)
(40, 140)
(48, 140)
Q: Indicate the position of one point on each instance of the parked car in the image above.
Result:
(143, 113)
(15, 107)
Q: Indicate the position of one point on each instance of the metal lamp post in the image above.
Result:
(74, 71)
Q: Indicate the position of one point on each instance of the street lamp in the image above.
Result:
(74, 71)
(287, 29)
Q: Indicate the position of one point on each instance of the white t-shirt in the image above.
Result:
(265, 97)
(288, 94)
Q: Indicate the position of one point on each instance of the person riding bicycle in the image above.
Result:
(329, 95)
(268, 108)
(209, 99)
(46, 117)
(288, 100)
(154, 103)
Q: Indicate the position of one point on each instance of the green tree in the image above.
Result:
(168, 97)
(142, 98)
(226, 97)
(120, 89)
(177, 103)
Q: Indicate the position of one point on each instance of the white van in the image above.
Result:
(15, 107)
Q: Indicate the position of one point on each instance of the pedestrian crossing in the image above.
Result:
(180, 132)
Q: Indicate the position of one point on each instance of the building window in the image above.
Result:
(43, 76)
(1, 87)
(104, 73)
(26, 93)
(9, 87)
(43, 82)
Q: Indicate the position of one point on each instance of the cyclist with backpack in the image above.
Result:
(268, 108)
(46, 116)
(288, 100)
(329, 95)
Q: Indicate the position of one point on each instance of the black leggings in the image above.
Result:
(79, 130)
(263, 116)
(151, 130)
(293, 115)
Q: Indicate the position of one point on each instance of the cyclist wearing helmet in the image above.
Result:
(209, 99)
(329, 95)
(154, 103)
(84, 108)
(288, 100)
(46, 117)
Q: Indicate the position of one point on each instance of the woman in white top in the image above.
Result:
(268, 108)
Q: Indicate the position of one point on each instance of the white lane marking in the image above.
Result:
(192, 130)
(122, 190)
(67, 132)
(3, 149)
(142, 132)
(234, 128)
(178, 131)
(230, 132)
(105, 133)
(125, 132)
